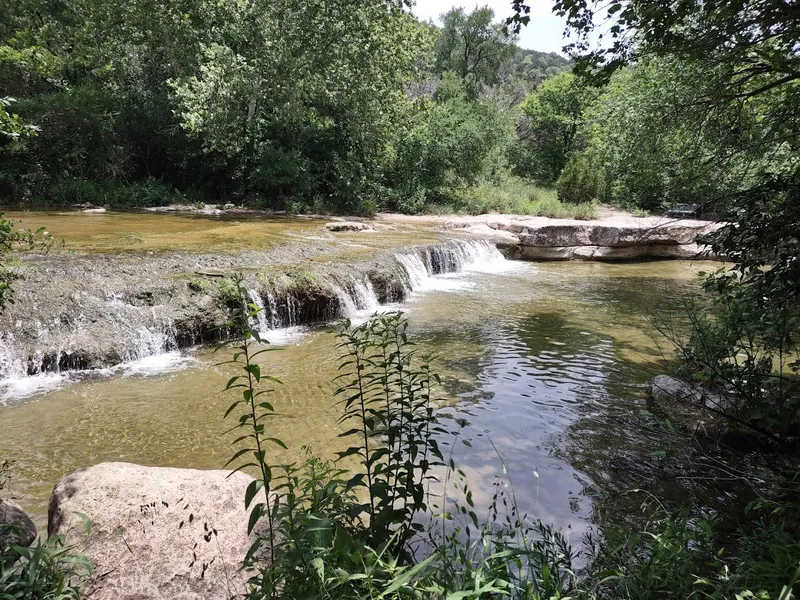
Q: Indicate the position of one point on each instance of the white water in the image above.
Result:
(262, 320)
(156, 364)
(439, 268)
(148, 339)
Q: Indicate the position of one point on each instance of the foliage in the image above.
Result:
(680, 556)
(386, 401)
(745, 350)
(552, 126)
(12, 129)
(473, 47)
(534, 67)
(325, 106)
(582, 179)
(513, 195)
(47, 570)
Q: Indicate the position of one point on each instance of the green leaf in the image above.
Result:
(252, 489)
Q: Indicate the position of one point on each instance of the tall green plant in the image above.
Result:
(386, 396)
(254, 411)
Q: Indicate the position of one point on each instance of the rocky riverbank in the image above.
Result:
(617, 237)
(155, 533)
(80, 310)
(86, 312)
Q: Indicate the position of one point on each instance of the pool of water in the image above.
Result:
(542, 365)
(143, 232)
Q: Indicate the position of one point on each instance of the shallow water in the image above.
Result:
(546, 362)
(143, 232)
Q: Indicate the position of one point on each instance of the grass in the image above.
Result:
(512, 196)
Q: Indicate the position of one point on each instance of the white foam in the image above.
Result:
(18, 388)
(284, 336)
(156, 364)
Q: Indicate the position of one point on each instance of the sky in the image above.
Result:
(543, 33)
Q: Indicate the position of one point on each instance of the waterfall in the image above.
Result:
(357, 298)
(453, 257)
(417, 271)
(123, 327)
(262, 322)
(10, 366)
(272, 306)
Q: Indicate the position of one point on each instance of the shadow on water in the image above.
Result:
(542, 365)
(562, 404)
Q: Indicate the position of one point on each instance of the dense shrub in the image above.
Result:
(582, 179)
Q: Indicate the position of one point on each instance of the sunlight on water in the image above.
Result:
(527, 356)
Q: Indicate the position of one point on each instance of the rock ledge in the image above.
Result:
(156, 533)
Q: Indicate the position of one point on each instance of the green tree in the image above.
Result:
(305, 102)
(452, 141)
(582, 179)
(552, 125)
(473, 46)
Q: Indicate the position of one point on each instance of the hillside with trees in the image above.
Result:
(327, 107)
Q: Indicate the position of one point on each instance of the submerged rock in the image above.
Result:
(156, 533)
(347, 226)
(12, 514)
(696, 408)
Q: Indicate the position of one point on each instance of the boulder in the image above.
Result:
(12, 514)
(156, 533)
(94, 211)
(696, 408)
(665, 388)
(347, 226)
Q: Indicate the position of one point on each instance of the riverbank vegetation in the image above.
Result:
(403, 523)
(356, 107)
(327, 107)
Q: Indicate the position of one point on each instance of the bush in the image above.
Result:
(65, 192)
(48, 570)
(515, 196)
(582, 179)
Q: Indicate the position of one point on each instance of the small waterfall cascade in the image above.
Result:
(10, 365)
(262, 318)
(452, 257)
(126, 327)
(145, 330)
(356, 297)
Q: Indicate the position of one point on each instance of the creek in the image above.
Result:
(542, 365)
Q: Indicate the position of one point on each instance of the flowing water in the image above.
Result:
(543, 367)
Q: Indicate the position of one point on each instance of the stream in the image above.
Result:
(543, 368)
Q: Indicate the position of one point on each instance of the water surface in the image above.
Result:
(544, 362)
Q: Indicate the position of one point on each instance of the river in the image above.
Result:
(546, 362)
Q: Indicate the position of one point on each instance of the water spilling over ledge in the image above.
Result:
(95, 329)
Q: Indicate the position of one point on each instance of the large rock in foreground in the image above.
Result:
(156, 533)
(25, 532)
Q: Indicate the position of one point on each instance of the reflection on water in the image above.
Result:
(545, 361)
